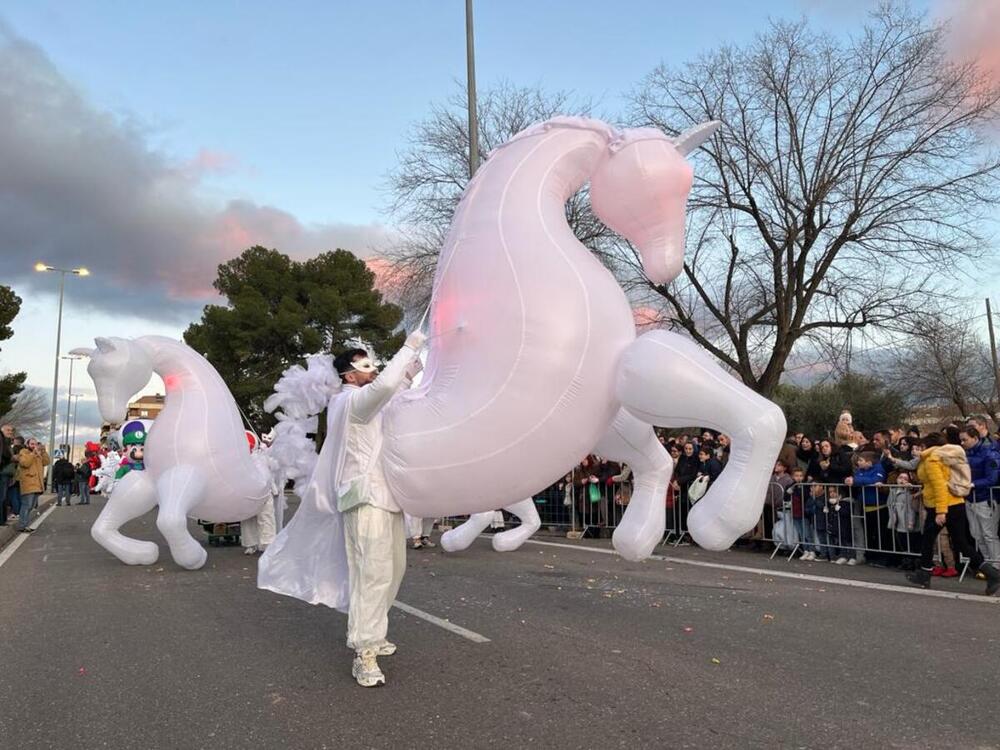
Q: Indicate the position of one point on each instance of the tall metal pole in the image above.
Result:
(69, 398)
(993, 348)
(470, 60)
(55, 380)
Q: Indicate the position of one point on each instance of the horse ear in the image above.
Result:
(83, 351)
(104, 345)
(691, 138)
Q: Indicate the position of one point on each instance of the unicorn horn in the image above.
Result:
(691, 138)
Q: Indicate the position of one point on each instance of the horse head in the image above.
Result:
(641, 192)
(119, 368)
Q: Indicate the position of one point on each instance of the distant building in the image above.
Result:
(146, 407)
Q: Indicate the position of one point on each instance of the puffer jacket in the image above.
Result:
(31, 468)
(865, 479)
(934, 473)
(984, 466)
(960, 479)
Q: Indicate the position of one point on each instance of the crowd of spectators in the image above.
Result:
(848, 498)
(22, 478)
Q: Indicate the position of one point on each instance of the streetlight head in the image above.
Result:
(81, 272)
(41, 266)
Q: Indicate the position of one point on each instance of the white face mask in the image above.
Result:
(363, 365)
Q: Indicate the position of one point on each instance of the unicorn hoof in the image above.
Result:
(192, 559)
(147, 554)
(635, 544)
(452, 542)
(709, 532)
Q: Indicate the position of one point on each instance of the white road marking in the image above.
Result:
(11, 548)
(788, 574)
(450, 626)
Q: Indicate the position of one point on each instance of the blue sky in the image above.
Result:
(282, 120)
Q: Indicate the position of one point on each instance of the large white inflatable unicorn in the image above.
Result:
(534, 359)
(196, 457)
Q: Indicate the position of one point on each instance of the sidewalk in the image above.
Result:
(9, 532)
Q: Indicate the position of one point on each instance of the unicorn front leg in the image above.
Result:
(463, 535)
(669, 381)
(632, 441)
(134, 495)
(181, 488)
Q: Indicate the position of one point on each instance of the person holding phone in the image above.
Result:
(31, 462)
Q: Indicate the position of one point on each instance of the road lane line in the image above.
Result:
(11, 548)
(788, 574)
(450, 626)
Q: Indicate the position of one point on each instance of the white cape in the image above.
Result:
(308, 559)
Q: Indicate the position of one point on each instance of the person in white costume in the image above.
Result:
(374, 534)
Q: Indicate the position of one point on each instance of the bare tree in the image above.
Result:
(428, 182)
(30, 412)
(848, 183)
(944, 360)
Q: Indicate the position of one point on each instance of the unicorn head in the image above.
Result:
(641, 192)
(119, 368)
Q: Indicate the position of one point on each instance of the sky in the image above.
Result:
(151, 142)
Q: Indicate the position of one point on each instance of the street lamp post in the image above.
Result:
(76, 411)
(41, 268)
(470, 64)
(69, 393)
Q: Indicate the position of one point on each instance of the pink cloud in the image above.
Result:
(974, 33)
(207, 161)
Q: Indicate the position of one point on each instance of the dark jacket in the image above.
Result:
(63, 472)
(711, 468)
(6, 455)
(984, 463)
(836, 472)
(83, 472)
(686, 471)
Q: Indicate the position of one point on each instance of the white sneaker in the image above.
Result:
(365, 669)
(852, 561)
(249, 550)
(810, 555)
(840, 561)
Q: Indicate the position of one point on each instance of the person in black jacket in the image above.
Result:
(684, 472)
(83, 472)
(830, 466)
(62, 476)
(6, 468)
(708, 464)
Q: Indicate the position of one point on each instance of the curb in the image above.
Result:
(9, 532)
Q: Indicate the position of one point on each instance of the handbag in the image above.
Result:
(593, 493)
(698, 489)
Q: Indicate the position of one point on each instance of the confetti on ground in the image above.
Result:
(768, 617)
(550, 567)
(715, 661)
(688, 629)
(82, 670)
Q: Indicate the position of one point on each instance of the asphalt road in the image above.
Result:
(585, 651)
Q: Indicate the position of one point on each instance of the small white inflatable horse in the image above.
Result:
(197, 460)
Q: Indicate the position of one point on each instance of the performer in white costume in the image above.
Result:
(374, 533)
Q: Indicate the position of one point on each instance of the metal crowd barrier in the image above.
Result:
(877, 524)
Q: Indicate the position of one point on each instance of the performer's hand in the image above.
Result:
(414, 368)
(416, 340)
(940, 519)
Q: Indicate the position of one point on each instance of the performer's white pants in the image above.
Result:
(376, 559)
(418, 526)
(259, 531)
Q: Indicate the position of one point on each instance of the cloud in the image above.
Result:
(974, 33)
(81, 187)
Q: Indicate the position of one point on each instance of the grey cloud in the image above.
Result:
(80, 187)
